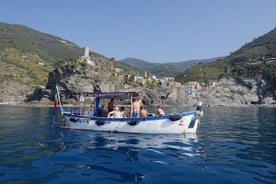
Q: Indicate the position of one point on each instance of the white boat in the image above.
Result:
(185, 122)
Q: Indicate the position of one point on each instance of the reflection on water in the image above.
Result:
(34, 149)
(23, 135)
(242, 139)
(232, 145)
(117, 151)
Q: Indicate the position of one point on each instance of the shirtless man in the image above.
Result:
(135, 108)
(160, 111)
(143, 112)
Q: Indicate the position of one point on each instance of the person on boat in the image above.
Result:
(122, 109)
(110, 105)
(102, 112)
(92, 108)
(115, 114)
(143, 112)
(160, 111)
(135, 108)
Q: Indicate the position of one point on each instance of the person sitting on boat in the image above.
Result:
(110, 105)
(135, 108)
(122, 109)
(92, 108)
(160, 111)
(115, 114)
(143, 112)
(102, 112)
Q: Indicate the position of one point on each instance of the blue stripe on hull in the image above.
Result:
(150, 118)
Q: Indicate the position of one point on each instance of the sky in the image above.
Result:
(152, 30)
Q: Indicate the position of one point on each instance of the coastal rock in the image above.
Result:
(72, 81)
(230, 92)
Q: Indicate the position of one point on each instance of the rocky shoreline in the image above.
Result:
(227, 92)
(87, 105)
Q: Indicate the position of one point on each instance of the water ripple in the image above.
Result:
(232, 145)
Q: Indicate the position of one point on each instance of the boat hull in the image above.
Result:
(174, 123)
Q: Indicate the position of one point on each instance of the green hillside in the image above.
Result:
(184, 65)
(50, 48)
(202, 72)
(255, 60)
(27, 68)
(261, 47)
(27, 56)
(241, 63)
(170, 69)
(158, 69)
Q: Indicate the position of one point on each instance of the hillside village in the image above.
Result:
(149, 80)
(35, 63)
(108, 77)
(225, 92)
(104, 74)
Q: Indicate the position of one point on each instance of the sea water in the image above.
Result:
(232, 145)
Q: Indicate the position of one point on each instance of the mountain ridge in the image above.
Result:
(47, 46)
(255, 60)
(169, 69)
(31, 66)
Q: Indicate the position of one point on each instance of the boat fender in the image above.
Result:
(175, 117)
(100, 123)
(74, 119)
(62, 119)
(133, 123)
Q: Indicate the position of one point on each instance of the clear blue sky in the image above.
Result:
(152, 30)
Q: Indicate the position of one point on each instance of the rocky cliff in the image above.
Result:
(225, 92)
(230, 92)
(33, 63)
(77, 77)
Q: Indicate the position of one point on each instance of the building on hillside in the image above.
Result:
(138, 79)
(86, 52)
(154, 78)
(164, 81)
(212, 84)
(118, 74)
(169, 79)
(173, 84)
(192, 88)
(118, 70)
(86, 57)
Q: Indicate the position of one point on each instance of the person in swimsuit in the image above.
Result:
(135, 108)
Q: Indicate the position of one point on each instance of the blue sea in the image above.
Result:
(232, 145)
